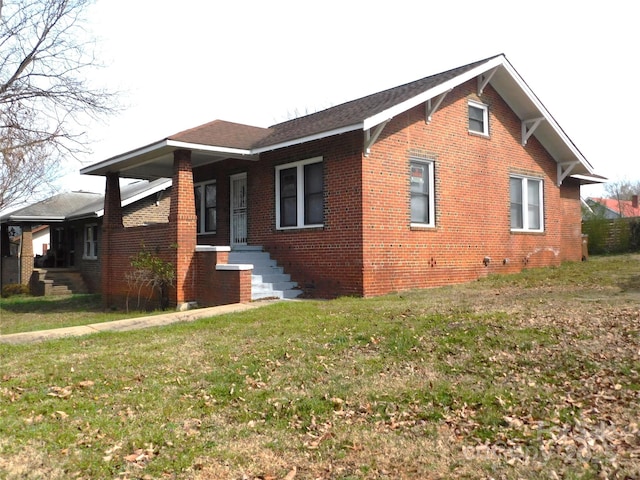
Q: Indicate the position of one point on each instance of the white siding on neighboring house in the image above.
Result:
(41, 240)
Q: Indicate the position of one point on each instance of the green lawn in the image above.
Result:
(26, 314)
(528, 376)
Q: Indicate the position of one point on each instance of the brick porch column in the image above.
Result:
(183, 221)
(26, 255)
(111, 221)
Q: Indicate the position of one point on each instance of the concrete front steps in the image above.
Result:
(59, 281)
(268, 280)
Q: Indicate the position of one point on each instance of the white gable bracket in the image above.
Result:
(370, 138)
(564, 169)
(528, 127)
(433, 104)
(484, 79)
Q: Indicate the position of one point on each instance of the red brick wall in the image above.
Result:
(472, 199)
(367, 246)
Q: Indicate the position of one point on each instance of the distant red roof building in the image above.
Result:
(620, 208)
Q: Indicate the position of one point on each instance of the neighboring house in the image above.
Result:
(612, 208)
(74, 220)
(438, 181)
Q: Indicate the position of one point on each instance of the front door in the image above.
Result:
(238, 209)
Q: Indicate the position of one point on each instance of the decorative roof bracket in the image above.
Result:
(564, 169)
(484, 79)
(433, 104)
(370, 138)
(528, 127)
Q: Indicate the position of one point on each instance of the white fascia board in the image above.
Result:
(589, 178)
(123, 157)
(27, 218)
(207, 148)
(431, 93)
(547, 116)
(158, 146)
(317, 136)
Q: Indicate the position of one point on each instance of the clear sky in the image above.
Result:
(259, 62)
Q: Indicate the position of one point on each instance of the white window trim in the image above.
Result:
(485, 117)
(525, 204)
(432, 194)
(299, 194)
(200, 229)
(94, 242)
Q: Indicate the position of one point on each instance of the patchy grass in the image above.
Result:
(26, 313)
(528, 376)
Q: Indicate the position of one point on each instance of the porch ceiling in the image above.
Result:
(156, 160)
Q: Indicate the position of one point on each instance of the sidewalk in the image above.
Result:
(130, 324)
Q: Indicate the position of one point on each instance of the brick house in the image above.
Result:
(74, 222)
(438, 181)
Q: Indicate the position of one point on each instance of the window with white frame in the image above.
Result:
(206, 206)
(300, 194)
(478, 118)
(90, 241)
(526, 204)
(422, 193)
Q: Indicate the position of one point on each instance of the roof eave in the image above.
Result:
(128, 159)
(589, 179)
(432, 92)
(308, 138)
(35, 219)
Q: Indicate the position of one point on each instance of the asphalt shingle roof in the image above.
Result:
(236, 135)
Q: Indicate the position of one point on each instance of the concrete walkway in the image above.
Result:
(130, 324)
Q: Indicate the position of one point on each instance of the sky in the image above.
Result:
(260, 62)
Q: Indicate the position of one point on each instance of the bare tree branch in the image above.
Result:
(45, 98)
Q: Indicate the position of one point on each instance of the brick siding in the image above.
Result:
(367, 245)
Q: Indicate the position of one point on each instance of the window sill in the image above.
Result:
(206, 233)
(479, 134)
(304, 227)
(89, 258)
(530, 232)
(422, 226)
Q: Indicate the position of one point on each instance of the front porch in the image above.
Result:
(204, 274)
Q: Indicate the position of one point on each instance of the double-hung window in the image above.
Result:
(478, 118)
(422, 193)
(300, 194)
(90, 241)
(206, 201)
(526, 204)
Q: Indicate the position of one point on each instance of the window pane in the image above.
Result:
(197, 193)
(210, 195)
(476, 119)
(288, 212)
(288, 197)
(420, 190)
(420, 208)
(313, 178)
(288, 180)
(313, 198)
(210, 220)
(516, 202)
(533, 200)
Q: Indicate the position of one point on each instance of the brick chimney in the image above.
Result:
(634, 201)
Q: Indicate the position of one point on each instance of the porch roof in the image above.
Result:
(219, 140)
(77, 205)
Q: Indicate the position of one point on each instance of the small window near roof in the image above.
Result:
(478, 118)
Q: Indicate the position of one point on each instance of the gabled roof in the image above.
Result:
(78, 205)
(620, 208)
(219, 140)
